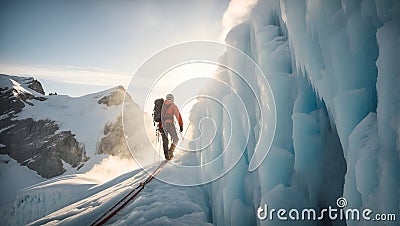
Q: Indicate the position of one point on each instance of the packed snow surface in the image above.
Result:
(80, 199)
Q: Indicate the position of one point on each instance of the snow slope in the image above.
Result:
(76, 199)
(13, 178)
(83, 116)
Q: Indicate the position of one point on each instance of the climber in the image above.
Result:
(167, 126)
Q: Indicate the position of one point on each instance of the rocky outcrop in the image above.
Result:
(113, 142)
(115, 98)
(39, 146)
(36, 85)
(12, 100)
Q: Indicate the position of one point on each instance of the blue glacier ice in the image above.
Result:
(334, 70)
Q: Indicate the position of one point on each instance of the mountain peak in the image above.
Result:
(21, 85)
(113, 97)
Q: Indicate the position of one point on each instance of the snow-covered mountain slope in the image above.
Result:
(84, 116)
(333, 67)
(53, 133)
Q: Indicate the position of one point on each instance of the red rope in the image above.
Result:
(121, 204)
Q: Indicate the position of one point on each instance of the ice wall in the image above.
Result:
(334, 70)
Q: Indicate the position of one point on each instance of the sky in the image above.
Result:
(81, 47)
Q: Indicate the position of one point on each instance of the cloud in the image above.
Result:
(237, 12)
(69, 74)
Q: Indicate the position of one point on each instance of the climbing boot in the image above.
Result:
(171, 151)
(166, 155)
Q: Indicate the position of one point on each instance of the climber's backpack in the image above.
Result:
(157, 109)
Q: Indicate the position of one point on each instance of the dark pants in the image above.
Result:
(168, 128)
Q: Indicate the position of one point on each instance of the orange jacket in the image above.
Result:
(168, 111)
